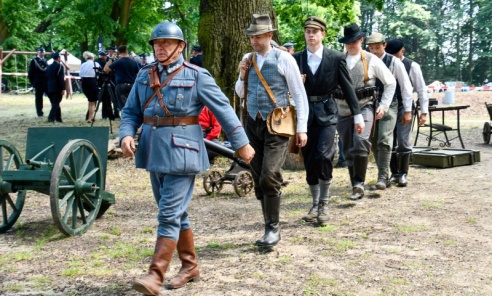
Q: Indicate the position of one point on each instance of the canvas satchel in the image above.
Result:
(282, 120)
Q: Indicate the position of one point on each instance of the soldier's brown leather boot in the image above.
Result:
(189, 268)
(152, 282)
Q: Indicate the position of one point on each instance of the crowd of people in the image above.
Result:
(363, 94)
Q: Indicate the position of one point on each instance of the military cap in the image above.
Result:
(102, 53)
(197, 48)
(376, 38)
(40, 49)
(113, 48)
(143, 55)
(288, 45)
(315, 22)
(55, 55)
(393, 45)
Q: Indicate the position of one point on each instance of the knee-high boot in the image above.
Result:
(394, 167)
(272, 222)
(324, 196)
(189, 267)
(359, 176)
(313, 212)
(382, 162)
(152, 282)
(404, 166)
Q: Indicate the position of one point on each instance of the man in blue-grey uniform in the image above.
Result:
(167, 98)
(269, 71)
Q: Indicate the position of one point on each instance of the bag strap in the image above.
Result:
(364, 63)
(158, 90)
(263, 81)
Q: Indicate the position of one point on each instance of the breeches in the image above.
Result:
(319, 152)
(354, 144)
(270, 152)
(402, 135)
(172, 194)
(383, 137)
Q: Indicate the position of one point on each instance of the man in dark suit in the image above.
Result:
(324, 71)
(37, 78)
(55, 73)
(197, 58)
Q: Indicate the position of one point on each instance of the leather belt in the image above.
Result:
(170, 121)
(317, 99)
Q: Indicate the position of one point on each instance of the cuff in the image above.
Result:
(358, 119)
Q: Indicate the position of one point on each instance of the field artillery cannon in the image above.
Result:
(487, 126)
(66, 163)
(238, 174)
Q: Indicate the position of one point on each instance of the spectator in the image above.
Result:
(89, 82)
(290, 47)
(37, 78)
(211, 129)
(55, 73)
(197, 57)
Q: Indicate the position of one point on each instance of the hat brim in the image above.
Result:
(254, 33)
(352, 38)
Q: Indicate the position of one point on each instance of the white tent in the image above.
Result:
(71, 61)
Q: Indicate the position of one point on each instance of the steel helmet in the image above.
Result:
(166, 30)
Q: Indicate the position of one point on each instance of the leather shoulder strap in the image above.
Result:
(364, 64)
(158, 91)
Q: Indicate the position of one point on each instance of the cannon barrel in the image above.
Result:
(36, 163)
(224, 151)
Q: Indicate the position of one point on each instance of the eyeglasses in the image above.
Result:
(311, 31)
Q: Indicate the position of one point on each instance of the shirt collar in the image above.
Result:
(173, 66)
(318, 53)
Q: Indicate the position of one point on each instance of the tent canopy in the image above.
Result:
(72, 61)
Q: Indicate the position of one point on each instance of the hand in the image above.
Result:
(243, 67)
(63, 93)
(246, 153)
(359, 128)
(303, 77)
(422, 119)
(379, 113)
(128, 146)
(301, 139)
(406, 118)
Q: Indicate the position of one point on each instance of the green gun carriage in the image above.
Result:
(68, 164)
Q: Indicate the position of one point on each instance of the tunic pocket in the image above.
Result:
(185, 154)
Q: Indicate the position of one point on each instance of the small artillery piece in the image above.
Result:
(238, 174)
(66, 163)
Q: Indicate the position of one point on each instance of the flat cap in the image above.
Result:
(393, 45)
(315, 22)
(376, 38)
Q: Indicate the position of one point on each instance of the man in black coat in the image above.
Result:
(325, 72)
(37, 78)
(197, 58)
(55, 74)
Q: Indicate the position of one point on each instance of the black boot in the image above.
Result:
(394, 161)
(359, 177)
(272, 223)
(351, 174)
(404, 165)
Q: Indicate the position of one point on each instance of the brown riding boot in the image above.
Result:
(189, 268)
(152, 282)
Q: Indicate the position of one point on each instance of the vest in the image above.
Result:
(258, 99)
(357, 77)
(388, 61)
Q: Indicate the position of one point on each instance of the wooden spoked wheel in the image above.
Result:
(486, 133)
(243, 183)
(10, 203)
(75, 188)
(212, 182)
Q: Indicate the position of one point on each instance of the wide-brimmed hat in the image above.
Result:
(376, 38)
(260, 24)
(352, 33)
(393, 45)
(315, 22)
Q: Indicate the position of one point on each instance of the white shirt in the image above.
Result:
(377, 69)
(288, 68)
(418, 83)
(400, 73)
(87, 69)
(314, 59)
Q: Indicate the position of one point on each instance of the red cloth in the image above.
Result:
(207, 120)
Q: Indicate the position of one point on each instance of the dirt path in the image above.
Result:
(432, 238)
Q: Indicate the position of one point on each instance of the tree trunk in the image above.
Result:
(221, 36)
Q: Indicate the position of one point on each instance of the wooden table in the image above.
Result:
(436, 129)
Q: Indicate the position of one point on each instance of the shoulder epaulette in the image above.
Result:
(191, 66)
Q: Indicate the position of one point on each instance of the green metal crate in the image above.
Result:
(446, 158)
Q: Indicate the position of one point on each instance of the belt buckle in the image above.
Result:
(155, 121)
